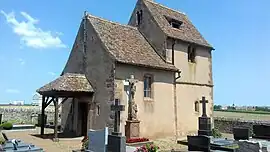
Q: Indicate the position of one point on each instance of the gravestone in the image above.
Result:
(241, 133)
(117, 142)
(198, 143)
(261, 131)
(204, 121)
(98, 140)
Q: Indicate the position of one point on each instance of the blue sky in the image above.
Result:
(36, 38)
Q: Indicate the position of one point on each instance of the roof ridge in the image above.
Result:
(112, 22)
(151, 1)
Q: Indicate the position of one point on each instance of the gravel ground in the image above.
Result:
(167, 144)
(69, 144)
(64, 145)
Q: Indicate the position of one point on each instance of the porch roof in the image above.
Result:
(67, 85)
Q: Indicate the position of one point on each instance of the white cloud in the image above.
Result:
(12, 91)
(52, 73)
(31, 35)
(22, 62)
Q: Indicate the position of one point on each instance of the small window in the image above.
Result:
(148, 86)
(175, 25)
(98, 110)
(191, 54)
(196, 106)
(139, 17)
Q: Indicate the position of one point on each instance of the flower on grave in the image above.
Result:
(85, 142)
(148, 148)
(134, 140)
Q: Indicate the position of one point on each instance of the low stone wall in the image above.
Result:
(226, 125)
(25, 114)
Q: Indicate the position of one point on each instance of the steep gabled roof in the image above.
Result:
(127, 44)
(186, 32)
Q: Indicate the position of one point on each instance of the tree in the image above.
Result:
(217, 107)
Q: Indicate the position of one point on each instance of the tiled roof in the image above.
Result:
(69, 82)
(186, 32)
(127, 44)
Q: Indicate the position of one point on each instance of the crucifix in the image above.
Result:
(117, 108)
(132, 107)
(203, 101)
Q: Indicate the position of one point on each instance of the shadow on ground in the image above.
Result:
(51, 136)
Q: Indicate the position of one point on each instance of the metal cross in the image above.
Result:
(203, 101)
(117, 108)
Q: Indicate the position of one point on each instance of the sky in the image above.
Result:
(36, 38)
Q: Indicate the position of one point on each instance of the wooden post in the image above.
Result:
(55, 120)
(42, 115)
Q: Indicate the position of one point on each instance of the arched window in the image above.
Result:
(196, 106)
(139, 17)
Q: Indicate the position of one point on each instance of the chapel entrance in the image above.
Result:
(83, 117)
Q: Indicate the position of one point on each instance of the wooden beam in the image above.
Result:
(42, 116)
(48, 103)
(55, 120)
(64, 100)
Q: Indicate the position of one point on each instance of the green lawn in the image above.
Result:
(242, 115)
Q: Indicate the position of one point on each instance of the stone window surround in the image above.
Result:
(191, 52)
(196, 106)
(139, 15)
(151, 89)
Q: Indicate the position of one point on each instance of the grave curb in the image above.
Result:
(139, 144)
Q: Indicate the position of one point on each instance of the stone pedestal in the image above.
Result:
(132, 129)
(205, 126)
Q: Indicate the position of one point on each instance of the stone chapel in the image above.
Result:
(162, 50)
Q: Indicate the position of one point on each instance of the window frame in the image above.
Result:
(196, 107)
(191, 51)
(148, 93)
(139, 17)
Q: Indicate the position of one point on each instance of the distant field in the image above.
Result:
(244, 116)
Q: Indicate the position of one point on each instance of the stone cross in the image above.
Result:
(117, 108)
(203, 101)
(132, 107)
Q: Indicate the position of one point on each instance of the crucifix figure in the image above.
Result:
(117, 108)
(132, 106)
(203, 101)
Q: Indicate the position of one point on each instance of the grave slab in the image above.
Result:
(98, 140)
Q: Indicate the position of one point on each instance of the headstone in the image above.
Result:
(261, 131)
(117, 108)
(198, 143)
(240, 133)
(204, 121)
(117, 142)
(98, 140)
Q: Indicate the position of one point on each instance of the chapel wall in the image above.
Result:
(157, 115)
(149, 28)
(187, 95)
(100, 73)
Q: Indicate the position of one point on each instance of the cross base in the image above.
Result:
(117, 133)
(132, 129)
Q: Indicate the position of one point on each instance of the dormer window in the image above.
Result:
(174, 23)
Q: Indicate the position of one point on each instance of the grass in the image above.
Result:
(242, 115)
(244, 111)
